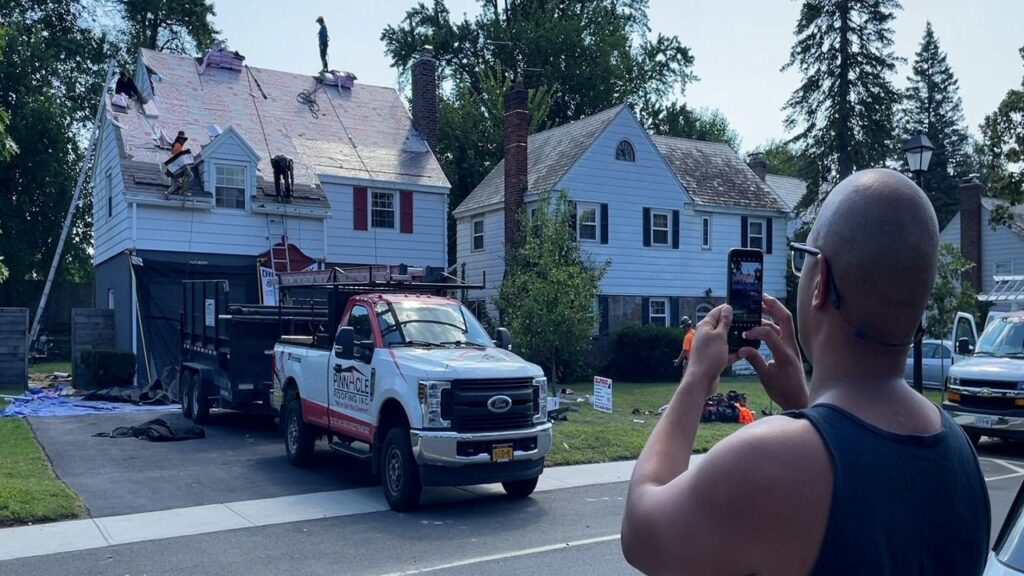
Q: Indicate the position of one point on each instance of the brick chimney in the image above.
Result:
(971, 191)
(424, 96)
(758, 164)
(517, 128)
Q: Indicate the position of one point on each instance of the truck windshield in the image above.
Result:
(1003, 337)
(439, 324)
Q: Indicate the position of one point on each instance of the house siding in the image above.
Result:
(487, 264)
(425, 246)
(997, 246)
(115, 274)
(111, 234)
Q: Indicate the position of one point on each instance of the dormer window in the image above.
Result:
(229, 191)
(624, 151)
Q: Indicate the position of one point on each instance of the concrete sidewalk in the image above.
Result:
(27, 541)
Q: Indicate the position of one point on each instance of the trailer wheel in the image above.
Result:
(399, 473)
(200, 402)
(185, 393)
(299, 439)
(520, 488)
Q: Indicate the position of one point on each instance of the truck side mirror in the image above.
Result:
(344, 344)
(504, 340)
(963, 347)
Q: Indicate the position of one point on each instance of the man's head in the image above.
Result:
(685, 323)
(878, 238)
(320, 20)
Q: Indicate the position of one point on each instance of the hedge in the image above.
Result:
(645, 354)
(109, 367)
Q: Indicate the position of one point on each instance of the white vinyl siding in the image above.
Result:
(230, 186)
(999, 245)
(658, 311)
(586, 222)
(111, 217)
(382, 209)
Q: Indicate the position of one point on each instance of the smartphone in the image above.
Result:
(745, 287)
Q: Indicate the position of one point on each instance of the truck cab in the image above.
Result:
(412, 383)
(985, 386)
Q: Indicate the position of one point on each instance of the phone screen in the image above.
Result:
(746, 282)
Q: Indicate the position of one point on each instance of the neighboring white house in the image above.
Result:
(368, 189)
(996, 251)
(665, 211)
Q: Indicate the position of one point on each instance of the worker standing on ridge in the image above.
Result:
(324, 39)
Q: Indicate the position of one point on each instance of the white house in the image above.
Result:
(665, 211)
(368, 189)
(997, 252)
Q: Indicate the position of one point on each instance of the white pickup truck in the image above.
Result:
(412, 384)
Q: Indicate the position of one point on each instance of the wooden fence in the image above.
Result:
(91, 329)
(14, 347)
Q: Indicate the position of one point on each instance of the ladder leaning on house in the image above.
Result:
(88, 160)
(278, 228)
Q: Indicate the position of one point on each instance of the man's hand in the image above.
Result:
(709, 355)
(783, 377)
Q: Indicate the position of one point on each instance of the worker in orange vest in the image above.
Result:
(684, 354)
(179, 143)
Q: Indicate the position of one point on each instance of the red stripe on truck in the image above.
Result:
(336, 421)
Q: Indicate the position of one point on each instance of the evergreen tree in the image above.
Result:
(844, 109)
(931, 102)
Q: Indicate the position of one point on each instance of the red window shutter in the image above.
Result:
(360, 215)
(405, 206)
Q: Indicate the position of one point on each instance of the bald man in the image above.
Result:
(862, 475)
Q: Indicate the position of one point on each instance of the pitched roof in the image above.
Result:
(790, 190)
(550, 155)
(365, 132)
(715, 175)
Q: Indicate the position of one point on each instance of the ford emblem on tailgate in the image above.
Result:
(499, 404)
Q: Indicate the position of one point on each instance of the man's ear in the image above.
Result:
(819, 295)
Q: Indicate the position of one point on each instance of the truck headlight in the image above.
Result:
(430, 393)
(952, 381)
(542, 397)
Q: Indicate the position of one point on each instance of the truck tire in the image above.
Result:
(520, 488)
(399, 473)
(200, 401)
(185, 393)
(299, 439)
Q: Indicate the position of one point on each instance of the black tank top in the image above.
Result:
(901, 504)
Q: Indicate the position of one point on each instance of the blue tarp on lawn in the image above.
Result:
(49, 402)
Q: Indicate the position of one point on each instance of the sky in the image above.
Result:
(738, 46)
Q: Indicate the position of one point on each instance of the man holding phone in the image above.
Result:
(684, 352)
(862, 475)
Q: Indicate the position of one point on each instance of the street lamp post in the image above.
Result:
(919, 153)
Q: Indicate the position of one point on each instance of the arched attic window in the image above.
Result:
(624, 151)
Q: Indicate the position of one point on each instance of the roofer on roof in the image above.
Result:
(179, 143)
(324, 39)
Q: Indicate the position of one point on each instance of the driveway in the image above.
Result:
(241, 458)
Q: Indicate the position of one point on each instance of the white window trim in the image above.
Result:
(580, 207)
(111, 299)
(762, 235)
(705, 221)
(615, 154)
(996, 265)
(394, 208)
(245, 179)
(701, 312)
(650, 311)
(473, 235)
(668, 228)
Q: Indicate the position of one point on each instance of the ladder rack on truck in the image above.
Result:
(227, 348)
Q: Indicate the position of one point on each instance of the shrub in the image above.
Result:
(109, 367)
(645, 354)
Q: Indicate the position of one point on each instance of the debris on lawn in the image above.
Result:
(63, 400)
(156, 430)
(638, 421)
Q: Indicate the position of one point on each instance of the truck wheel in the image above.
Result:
(520, 488)
(200, 402)
(299, 439)
(399, 473)
(185, 393)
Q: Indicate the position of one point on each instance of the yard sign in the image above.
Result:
(602, 398)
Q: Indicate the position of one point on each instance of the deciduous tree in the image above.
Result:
(708, 124)
(950, 295)
(178, 26)
(1003, 136)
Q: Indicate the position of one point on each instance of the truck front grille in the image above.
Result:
(467, 409)
(990, 384)
(986, 402)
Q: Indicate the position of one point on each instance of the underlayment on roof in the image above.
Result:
(364, 132)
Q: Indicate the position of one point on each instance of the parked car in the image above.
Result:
(985, 389)
(936, 358)
(1007, 555)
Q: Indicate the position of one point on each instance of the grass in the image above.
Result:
(29, 491)
(590, 436)
(49, 367)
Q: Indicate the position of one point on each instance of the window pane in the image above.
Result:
(660, 220)
(756, 228)
(588, 215)
(231, 176)
(588, 231)
(383, 210)
(705, 232)
(359, 320)
(756, 242)
(943, 352)
(657, 307)
(659, 237)
(478, 227)
(230, 198)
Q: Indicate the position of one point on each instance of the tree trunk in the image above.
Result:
(844, 139)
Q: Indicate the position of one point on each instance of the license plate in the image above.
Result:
(983, 421)
(502, 453)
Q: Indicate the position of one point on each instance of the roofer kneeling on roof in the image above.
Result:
(284, 168)
(125, 85)
(324, 39)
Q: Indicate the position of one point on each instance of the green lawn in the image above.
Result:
(49, 367)
(591, 436)
(29, 491)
